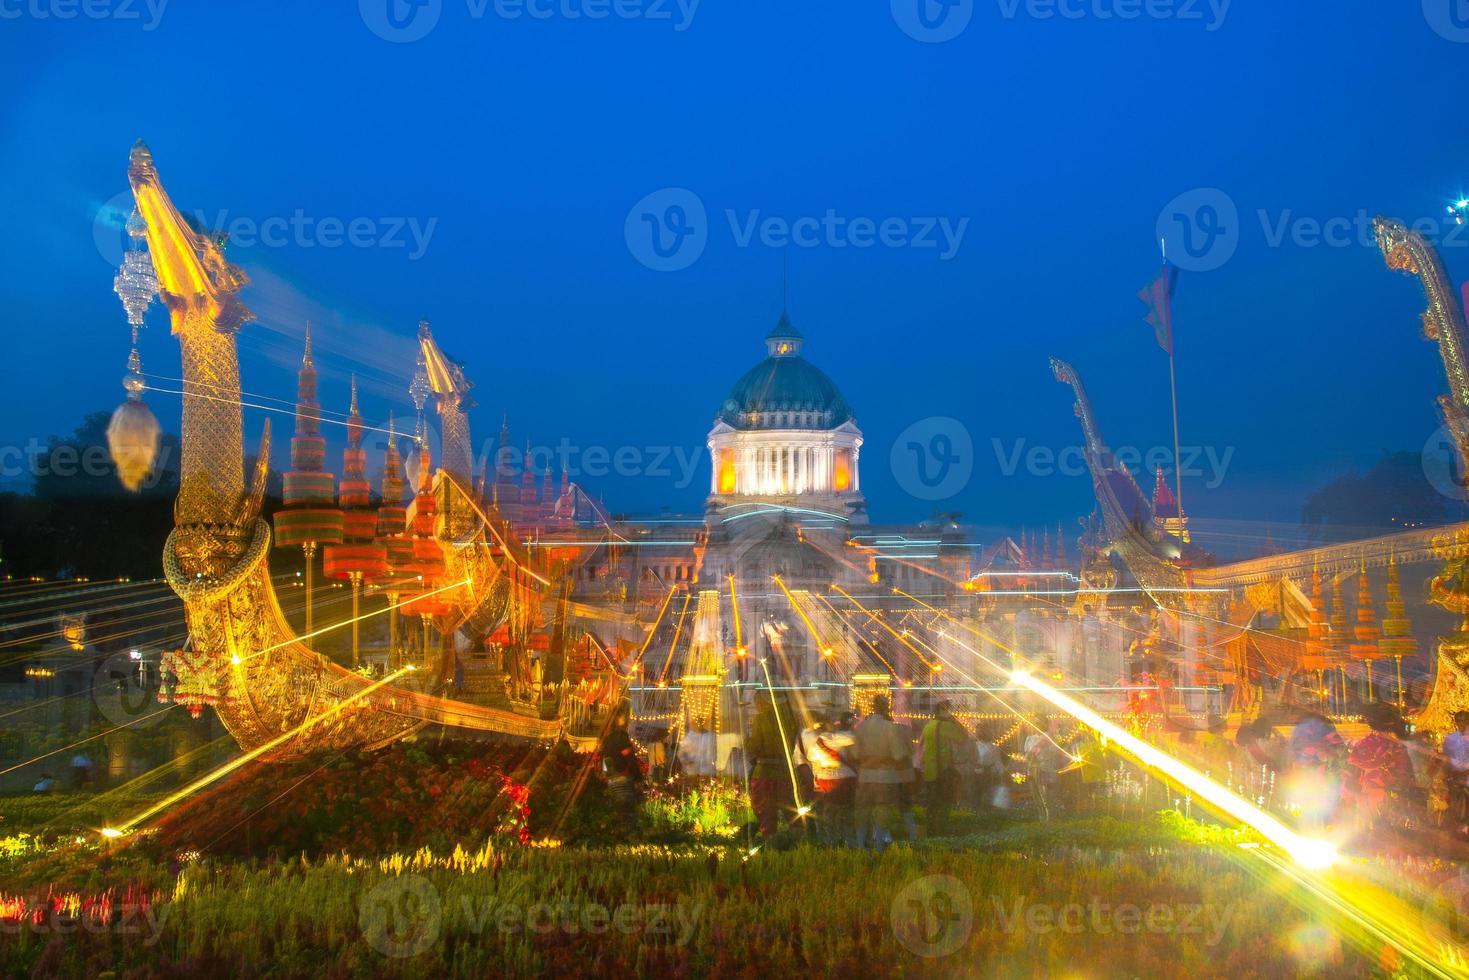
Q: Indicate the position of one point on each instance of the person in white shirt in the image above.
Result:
(827, 749)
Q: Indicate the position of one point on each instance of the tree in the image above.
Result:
(1393, 493)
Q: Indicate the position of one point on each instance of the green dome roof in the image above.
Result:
(785, 391)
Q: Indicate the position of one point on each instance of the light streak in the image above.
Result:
(785, 746)
(820, 644)
(89, 738)
(881, 622)
(255, 753)
(237, 659)
(1311, 853)
(677, 631)
(734, 602)
(653, 630)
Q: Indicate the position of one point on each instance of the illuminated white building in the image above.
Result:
(786, 436)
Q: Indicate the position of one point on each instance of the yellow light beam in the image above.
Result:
(653, 630)
(781, 727)
(883, 623)
(861, 639)
(1019, 716)
(255, 753)
(820, 644)
(677, 631)
(1310, 853)
(734, 602)
(348, 622)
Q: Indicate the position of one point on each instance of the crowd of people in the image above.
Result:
(1386, 782)
(860, 781)
(844, 780)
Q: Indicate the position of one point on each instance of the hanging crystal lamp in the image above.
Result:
(132, 433)
(136, 282)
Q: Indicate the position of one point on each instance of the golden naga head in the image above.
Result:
(193, 275)
(1396, 242)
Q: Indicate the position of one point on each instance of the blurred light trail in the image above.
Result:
(255, 753)
(1308, 852)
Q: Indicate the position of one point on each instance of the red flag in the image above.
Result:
(1158, 294)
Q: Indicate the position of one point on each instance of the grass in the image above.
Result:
(700, 910)
(360, 875)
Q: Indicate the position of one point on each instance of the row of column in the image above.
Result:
(789, 469)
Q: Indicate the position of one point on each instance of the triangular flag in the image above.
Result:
(1158, 295)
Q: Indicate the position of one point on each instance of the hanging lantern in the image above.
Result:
(132, 434)
(136, 282)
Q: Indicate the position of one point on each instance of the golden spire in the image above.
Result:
(1366, 632)
(1397, 632)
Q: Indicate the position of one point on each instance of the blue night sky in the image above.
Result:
(520, 145)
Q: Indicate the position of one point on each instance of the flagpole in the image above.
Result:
(1173, 391)
(1177, 466)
